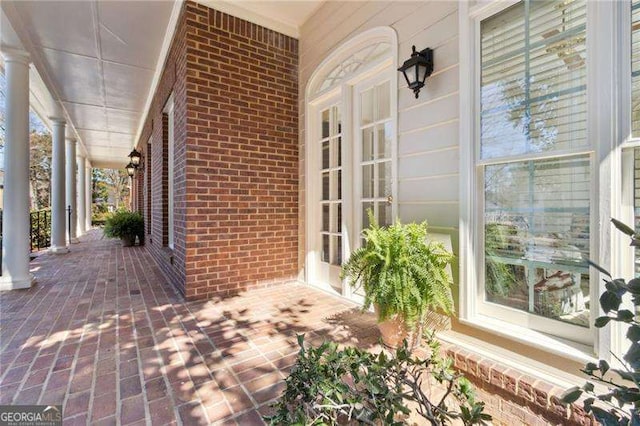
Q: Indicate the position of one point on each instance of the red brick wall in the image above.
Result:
(242, 155)
(236, 156)
(513, 397)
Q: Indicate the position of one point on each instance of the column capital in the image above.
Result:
(11, 54)
(57, 120)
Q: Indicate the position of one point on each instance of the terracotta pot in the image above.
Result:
(128, 240)
(394, 330)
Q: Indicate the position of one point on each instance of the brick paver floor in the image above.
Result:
(105, 335)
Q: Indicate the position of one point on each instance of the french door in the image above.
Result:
(352, 173)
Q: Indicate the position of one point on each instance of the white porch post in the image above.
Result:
(89, 192)
(71, 191)
(15, 238)
(82, 193)
(58, 205)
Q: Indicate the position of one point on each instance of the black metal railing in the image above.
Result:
(40, 229)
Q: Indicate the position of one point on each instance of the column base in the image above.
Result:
(10, 283)
(59, 250)
(74, 241)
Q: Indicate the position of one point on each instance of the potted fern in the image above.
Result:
(126, 226)
(403, 275)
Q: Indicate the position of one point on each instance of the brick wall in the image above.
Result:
(236, 158)
(242, 155)
(513, 397)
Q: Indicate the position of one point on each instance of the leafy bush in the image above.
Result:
(401, 272)
(124, 224)
(328, 386)
(621, 404)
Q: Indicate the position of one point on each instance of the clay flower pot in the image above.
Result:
(128, 240)
(394, 330)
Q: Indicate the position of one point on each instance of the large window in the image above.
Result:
(534, 165)
(170, 172)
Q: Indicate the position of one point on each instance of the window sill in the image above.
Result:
(572, 351)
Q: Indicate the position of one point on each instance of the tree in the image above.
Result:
(110, 186)
(40, 169)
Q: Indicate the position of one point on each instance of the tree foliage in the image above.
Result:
(620, 405)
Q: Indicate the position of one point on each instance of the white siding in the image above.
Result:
(427, 127)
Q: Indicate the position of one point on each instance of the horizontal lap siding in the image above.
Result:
(242, 155)
(428, 152)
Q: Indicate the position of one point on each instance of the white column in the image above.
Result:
(58, 203)
(15, 238)
(89, 192)
(71, 192)
(82, 193)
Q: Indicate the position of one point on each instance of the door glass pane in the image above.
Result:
(368, 152)
(336, 242)
(368, 181)
(325, 218)
(325, 186)
(325, 123)
(384, 140)
(367, 107)
(537, 237)
(337, 121)
(325, 155)
(339, 184)
(384, 181)
(339, 217)
(384, 214)
(335, 153)
(325, 248)
(365, 216)
(383, 101)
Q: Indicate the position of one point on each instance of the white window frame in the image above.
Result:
(602, 54)
(169, 110)
(342, 93)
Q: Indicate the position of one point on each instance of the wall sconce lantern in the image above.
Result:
(135, 157)
(131, 169)
(417, 68)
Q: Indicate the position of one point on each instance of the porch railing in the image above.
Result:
(40, 229)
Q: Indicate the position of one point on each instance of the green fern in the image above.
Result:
(401, 272)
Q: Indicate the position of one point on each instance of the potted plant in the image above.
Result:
(126, 226)
(403, 275)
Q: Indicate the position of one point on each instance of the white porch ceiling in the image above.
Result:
(101, 59)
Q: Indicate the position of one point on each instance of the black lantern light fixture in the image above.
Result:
(131, 169)
(417, 68)
(135, 158)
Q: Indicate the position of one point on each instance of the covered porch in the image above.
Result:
(104, 334)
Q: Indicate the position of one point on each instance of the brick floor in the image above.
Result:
(80, 338)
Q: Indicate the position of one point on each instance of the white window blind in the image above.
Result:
(536, 207)
(635, 68)
(534, 79)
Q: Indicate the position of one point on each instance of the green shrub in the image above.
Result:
(328, 386)
(401, 272)
(620, 405)
(124, 224)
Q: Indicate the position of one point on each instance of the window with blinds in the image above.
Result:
(635, 68)
(536, 206)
